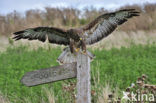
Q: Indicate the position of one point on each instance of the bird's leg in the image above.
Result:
(77, 49)
(83, 45)
(73, 49)
(71, 46)
(77, 46)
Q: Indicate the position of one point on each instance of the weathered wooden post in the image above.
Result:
(83, 79)
(81, 70)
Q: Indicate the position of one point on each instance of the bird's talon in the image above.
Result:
(84, 52)
(77, 49)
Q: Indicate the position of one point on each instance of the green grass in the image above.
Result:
(119, 67)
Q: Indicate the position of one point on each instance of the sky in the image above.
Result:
(7, 6)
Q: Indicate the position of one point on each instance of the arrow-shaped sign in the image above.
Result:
(53, 74)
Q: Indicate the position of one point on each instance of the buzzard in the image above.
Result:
(78, 38)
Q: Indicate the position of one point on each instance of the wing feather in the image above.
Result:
(54, 35)
(105, 24)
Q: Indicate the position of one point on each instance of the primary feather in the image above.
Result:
(105, 24)
(54, 35)
(95, 31)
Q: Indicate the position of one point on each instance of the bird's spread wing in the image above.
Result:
(105, 24)
(54, 35)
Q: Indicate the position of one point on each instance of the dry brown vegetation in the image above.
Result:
(69, 17)
(139, 30)
(141, 88)
(3, 99)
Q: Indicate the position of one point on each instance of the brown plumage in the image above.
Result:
(89, 34)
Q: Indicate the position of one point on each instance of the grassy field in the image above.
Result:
(116, 67)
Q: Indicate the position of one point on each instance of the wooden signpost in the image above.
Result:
(81, 70)
(53, 74)
(83, 79)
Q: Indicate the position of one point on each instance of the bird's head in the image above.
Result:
(76, 34)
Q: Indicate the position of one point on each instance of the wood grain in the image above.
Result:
(53, 74)
(83, 79)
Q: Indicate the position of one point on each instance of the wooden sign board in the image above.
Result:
(81, 70)
(53, 74)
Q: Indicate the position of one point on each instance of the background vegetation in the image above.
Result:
(112, 70)
(117, 67)
(69, 17)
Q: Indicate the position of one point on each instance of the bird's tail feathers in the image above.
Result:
(68, 57)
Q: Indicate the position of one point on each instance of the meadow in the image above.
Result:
(117, 68)
(121, 58)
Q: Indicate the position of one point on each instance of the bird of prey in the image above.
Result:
(78, 38)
